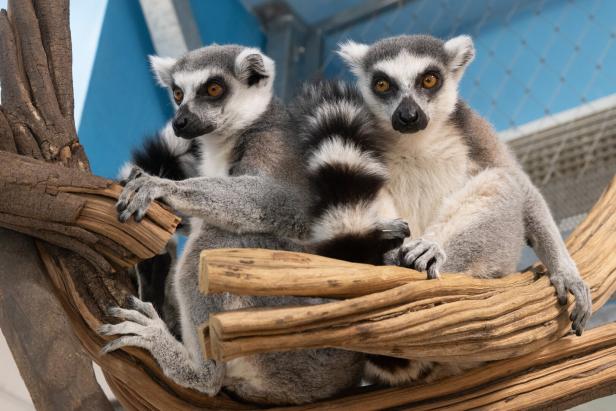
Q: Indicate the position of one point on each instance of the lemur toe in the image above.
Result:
(124, 216)
(561, 290)
(129, 315)
(394, 229)
(144, 307)
(135, 172)
(434, 271)
(140, 214)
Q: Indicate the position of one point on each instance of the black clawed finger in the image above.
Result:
(140, 214)
(433, 271)
(134, 173)
(121, 206)
(124, 216)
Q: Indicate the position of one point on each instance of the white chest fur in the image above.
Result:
(216, 156)
(425, 169)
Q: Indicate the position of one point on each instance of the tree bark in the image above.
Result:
(561, 375)
(56, 370)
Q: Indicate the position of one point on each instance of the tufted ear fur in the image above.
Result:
(461, 52)
(161, 66)
(353, 55)
(252, 67)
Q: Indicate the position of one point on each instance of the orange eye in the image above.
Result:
(214, 90)
(178, 95)
(429, 81)
(381, 86)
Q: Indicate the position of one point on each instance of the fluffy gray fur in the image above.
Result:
(250, 192)
(470, 205)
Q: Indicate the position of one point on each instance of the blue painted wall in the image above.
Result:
(534, 58)
(226, 21)
(123, 103)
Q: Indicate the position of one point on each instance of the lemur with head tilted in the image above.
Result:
(418, 152)
(246, 189)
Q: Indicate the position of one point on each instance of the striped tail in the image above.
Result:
(347, 174)
(164, 155)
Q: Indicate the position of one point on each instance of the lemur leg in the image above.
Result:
(256, 204)
(142, 327)
(544, 237)
(477, 230)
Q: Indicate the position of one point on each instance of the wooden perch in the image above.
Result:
(568, 372)
(457, 319)
(75, 210)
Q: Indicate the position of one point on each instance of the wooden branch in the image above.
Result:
(47, 360)
(71, 209)
(456, 319)
(250, 271)
(53, 19)
(561, 375)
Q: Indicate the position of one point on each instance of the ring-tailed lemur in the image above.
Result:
(249, 192)
(469, 204)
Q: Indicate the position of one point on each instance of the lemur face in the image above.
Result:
(217, 89)
(410, 82)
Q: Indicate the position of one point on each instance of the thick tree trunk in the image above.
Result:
(57, 371)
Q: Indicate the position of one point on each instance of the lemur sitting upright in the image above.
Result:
(421, 154)
(247, 190)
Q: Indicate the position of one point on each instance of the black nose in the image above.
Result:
(179, 123)
(408, 116)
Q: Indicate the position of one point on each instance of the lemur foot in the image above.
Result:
(422, 255)
(566, 281)
(140, 190)
(142, 326)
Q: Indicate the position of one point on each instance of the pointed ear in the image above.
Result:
(161, 66)
(353, 54)
(461, 52)
(253, 67)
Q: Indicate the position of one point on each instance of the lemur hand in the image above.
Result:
(422, 255)
(569, 281)
(140, 190)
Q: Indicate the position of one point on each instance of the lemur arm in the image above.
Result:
(481, 229)
(545, 238)
(249, 203)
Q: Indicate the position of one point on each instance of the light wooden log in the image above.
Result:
(457, 318)
(250, 271)
(561, 375)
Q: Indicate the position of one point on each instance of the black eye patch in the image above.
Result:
(377, 80)
(434, 71)
(213, 83)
